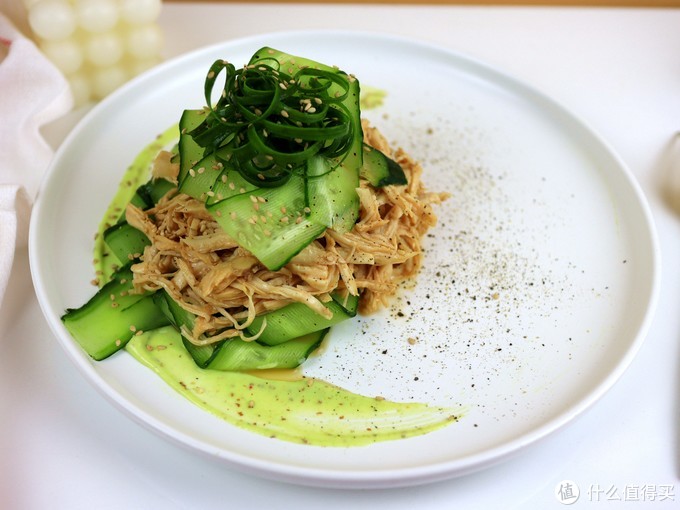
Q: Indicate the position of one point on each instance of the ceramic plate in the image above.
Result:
(537, 288)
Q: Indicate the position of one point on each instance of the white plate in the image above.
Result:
(537, 291)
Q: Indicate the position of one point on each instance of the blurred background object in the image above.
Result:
(97, 44)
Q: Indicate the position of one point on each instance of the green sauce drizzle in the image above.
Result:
(372, 97)
(308, 411)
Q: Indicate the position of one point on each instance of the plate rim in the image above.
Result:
(338, 478)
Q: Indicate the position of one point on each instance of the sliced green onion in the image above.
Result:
(269, 123)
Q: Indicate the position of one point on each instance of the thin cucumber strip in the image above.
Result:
(108, 320)
(200, 178)
(154, 190)
(271, 223)
(148, 194)
(228, 184)
(381, 170)
(347, 301)
(332, 196)
(239, 355)
(190, 152)
(125, 241)
(297, 319)
(181, 320)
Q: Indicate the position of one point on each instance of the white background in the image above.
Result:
(63, 446)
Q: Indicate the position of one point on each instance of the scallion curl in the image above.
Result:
(267, 123)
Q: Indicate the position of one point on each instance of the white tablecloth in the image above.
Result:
(63, 447)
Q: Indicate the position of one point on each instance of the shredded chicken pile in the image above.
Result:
(208, 274)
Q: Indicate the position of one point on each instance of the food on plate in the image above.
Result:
(278, 213)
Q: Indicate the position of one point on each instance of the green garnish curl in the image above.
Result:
(268, 122)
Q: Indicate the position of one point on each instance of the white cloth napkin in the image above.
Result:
(32, 93)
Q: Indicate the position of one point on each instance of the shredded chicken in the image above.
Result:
(208, 274)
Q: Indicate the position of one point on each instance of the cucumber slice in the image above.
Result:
(181, 319)
(239, 355)
(297, 319)
(190, 152)
(333, 200)
(152, 191)
(271, 223)
(108, 320)
(380, 170)
(229, 183)
(125, 241)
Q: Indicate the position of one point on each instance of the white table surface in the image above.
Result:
(63, 447)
